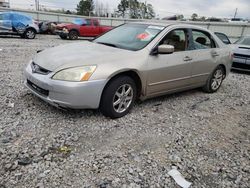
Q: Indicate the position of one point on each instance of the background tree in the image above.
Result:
(180, 17)
(194, 16)
(123, 7)
(85, 7)
(134, 9)
(150, 11)
(203, 18)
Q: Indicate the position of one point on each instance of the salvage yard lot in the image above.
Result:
(206, 136)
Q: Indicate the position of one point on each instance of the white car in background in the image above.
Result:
(241, 51)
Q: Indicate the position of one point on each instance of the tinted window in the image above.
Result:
(1, 17)
(88, 22)
(223, 38)
(202, 40)
(95, 23)
(176, 38)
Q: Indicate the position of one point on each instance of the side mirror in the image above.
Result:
(165, 49)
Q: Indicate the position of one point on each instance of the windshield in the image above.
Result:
(130, 36)
(243, 41)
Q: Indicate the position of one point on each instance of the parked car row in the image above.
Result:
(13, 23)
(81, 28)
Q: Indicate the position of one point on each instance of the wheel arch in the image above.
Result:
(132, 74)
(224, 69)
(31, 29)
(74, 29)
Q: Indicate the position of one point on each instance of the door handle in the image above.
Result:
(187, 58)
(214, 54)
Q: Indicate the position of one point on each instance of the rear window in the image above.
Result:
(202, 40)
(223, 38)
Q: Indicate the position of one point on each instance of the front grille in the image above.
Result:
(242, 56)
(38, 89)
(38, 69)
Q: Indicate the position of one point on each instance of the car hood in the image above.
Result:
(241, 49)
(80, 54)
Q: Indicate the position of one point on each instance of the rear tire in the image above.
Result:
(215, 80)
(73, 35)
(118, 97)
(30, 34)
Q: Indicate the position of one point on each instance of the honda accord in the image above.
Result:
(133, 61)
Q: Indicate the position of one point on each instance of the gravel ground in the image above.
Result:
(206, 136)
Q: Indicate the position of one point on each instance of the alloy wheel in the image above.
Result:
(123, 98)
(217, 79)
(30, 34)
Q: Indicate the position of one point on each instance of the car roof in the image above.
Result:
(171, 23)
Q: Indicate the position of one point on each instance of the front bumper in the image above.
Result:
(63, 94)
(61, 33)
(241, 62)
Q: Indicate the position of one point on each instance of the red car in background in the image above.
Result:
(81, 28)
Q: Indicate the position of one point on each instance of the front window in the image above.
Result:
(176, 38)
(244, 41)
(130, 36)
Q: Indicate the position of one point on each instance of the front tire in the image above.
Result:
(118, 97)
(30, 34)
(73, 35)
(215, 80)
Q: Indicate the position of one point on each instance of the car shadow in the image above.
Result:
(89, 113)
(10, 36)
(247, 72)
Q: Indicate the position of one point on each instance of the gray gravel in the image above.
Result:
(206, 136)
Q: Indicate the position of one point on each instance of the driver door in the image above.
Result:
(170, 72)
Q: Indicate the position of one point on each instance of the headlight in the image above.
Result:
(76, 74)
(65, 30)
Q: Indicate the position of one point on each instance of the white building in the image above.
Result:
(4, 3)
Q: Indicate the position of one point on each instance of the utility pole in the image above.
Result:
(37, 5)
(236, 11)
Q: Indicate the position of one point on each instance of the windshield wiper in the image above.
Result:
(108, 44)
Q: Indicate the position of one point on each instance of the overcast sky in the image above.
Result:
(208, 8)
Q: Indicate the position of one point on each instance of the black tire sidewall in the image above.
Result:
(25, 34)
(208, 86)
(75, 34)
(106, 106)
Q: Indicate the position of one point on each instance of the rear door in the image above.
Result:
(170, 72)
(205, 56)
(5, 23)
(85, 29)
(89, 29)
(96, 28)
